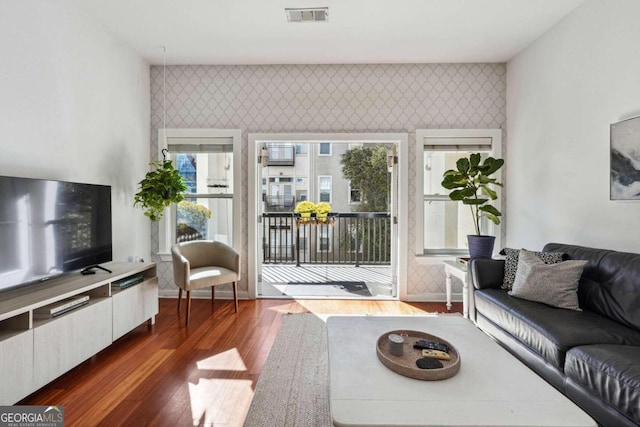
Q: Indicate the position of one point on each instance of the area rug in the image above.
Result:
(330, 288)
(293, 388)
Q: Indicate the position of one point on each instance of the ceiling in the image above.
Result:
(357, 31)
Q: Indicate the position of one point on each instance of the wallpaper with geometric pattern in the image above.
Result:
(329, 98)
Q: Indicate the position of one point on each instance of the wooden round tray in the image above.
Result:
(406, 364)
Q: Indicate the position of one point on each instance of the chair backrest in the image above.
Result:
(204, 253)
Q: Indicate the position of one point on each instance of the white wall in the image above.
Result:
(563, 92)
(74, 105)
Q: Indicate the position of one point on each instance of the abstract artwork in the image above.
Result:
(625, 159)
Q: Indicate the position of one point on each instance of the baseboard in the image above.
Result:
(433, 297)
(202, 294)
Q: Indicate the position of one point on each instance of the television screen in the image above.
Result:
(48, 228)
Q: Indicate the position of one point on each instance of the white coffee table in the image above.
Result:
(492, 388)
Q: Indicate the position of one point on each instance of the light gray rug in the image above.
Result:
(293, 388)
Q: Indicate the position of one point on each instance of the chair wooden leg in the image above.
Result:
(213, 296)
(188, 306)
(179, 298)
(235, 295)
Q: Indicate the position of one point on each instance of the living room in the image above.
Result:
(80, 104)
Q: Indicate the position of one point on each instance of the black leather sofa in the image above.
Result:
(593, 355)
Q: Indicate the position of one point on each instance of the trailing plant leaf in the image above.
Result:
(160, 187)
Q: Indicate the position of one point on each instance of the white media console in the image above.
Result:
(35, 351)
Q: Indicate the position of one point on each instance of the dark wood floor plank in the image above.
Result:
(173, 375)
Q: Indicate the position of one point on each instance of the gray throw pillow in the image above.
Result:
(511, 263)
(552, 284)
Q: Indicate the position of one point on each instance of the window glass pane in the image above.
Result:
(325, 148)
(206, 172)
(325, 183)
(204, 219)
(446, 223)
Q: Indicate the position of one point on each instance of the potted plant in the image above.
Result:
(305, 209)
(160, 187)
(470, 183)
(323, 209)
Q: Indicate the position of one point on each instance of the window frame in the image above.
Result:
(442, 134)
(167, 232)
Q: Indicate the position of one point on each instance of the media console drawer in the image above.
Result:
(132, 306)
(16, 366)
(66, 341)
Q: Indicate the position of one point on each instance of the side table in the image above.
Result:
(456, 269)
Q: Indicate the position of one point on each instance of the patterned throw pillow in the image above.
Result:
(511, 264)
(552, 284)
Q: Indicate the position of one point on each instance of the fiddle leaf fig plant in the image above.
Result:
(160, 187)
(471, 184)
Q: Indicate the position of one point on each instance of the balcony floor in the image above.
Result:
(280, 280)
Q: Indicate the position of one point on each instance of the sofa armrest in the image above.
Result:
(486, 273)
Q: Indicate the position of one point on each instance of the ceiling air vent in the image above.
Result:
(311, 14)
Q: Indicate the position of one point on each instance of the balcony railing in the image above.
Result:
(351, 238)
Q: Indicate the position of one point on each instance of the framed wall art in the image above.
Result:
(625, 159)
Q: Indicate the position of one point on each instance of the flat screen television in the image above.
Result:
(48, 228)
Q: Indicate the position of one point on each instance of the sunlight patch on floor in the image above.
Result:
(229, 360)
(205, 396)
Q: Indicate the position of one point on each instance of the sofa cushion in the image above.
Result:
(610, 284)
(511, 263)
(550, 331)
(611, 372)
(552, 284)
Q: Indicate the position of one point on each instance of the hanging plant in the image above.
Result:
(159, 188)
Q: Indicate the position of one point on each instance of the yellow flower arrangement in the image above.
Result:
(323, 208)
(322, 211)
(306, 208)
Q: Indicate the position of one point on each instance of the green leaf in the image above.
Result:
(493, 219)
(474, 159)
(474, 201)
(490, 209)
(463, 165)
(489, 192)
(493, 165)
(456, 195)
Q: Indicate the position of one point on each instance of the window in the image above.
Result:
(324, 242)
(324, 149)
(324, 189)
(355, 197)
(445, 224)
(302, 148)
(280, 155)
(207, 160)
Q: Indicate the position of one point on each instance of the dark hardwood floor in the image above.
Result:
(204, 374)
